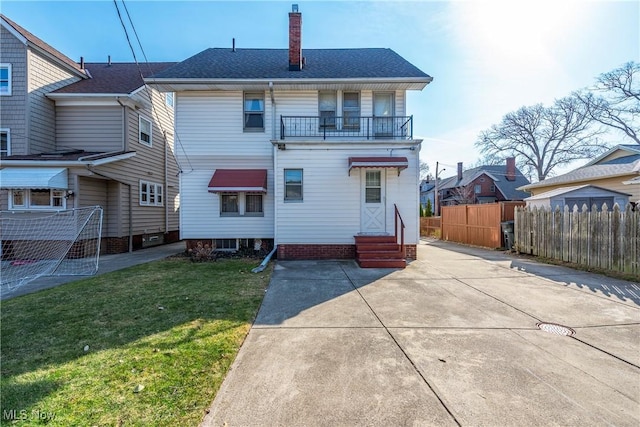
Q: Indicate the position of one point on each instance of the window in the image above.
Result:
(373, 187)
(351, 109)
(293, 185)
(5, 142)
(151, 194)
(478, 189)
(226, 244)
(146, 134)
(492, 188)
(5, 79)
(254, 111)
(41, 198)
(229, 204)
(241, 204)
(253, 204)
(327, 107)
(168, 98)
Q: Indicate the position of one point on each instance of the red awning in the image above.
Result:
(235, 180)
(378, 162)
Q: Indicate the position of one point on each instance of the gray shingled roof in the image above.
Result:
(621, 166)
(496, 172)
(122, 77)
(42, 45)
(219, 63)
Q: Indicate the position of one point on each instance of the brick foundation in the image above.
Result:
(411, 252)
(292, 252)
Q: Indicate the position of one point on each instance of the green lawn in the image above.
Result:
(173, 327)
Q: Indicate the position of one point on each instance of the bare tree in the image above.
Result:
(543, 138)
(615, 100)
(424, 170)
(465, 195)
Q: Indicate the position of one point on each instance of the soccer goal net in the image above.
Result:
(36, 244)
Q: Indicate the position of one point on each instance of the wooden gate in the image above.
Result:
(478, 225)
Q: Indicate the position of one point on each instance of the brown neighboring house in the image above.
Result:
(483, 184)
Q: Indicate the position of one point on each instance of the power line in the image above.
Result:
(147, 88)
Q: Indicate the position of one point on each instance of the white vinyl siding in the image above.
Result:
(330, 213)
(90, 128)
(200, 210)
(213, 124)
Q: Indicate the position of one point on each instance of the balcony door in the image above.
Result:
(373, 212)
(383, 114)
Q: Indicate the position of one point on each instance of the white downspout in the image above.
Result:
(275, 164)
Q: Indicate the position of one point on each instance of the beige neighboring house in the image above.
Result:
(77, 135)
(604, 179)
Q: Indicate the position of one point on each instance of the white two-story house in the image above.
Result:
(311, 150)
(86, 134)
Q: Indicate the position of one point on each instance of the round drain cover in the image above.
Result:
(554, 328)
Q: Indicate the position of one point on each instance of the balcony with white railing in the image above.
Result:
(346, 127)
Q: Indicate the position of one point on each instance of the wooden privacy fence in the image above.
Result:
(605, 239)
(429, 225)
(478, 225)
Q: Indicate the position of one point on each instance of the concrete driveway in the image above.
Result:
(451, 340)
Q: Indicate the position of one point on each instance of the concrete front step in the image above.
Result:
(382, 263)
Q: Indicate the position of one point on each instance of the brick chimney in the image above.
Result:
(459, 171)
(511, 169)
(295, 39)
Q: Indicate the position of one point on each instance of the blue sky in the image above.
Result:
(487, 57)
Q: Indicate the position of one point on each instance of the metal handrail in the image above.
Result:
(366, 127)
(399, 217)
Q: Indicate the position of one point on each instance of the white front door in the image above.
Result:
(372, 217)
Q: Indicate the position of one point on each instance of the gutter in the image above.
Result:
(69, 163)
(263, 264)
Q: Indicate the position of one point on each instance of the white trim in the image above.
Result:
(140, 140)
(9, 78)
(158, 193)
(8, 132)
(22, 39)
(27, 200)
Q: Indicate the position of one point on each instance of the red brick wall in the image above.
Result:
(289, 252)
(411, 251)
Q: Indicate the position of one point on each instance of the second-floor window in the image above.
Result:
(145, 135)
(254, 111)
(5, 142)
(478, 189)
(5, 79)
(151, 193)
(327, 107)
(351, 109)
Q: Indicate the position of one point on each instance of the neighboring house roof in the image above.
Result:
(620, 166)
(497, 173)
(630, 148)
(44, 47)
(67, 158)
(114, 78)
(566, 190)
(220, 63)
